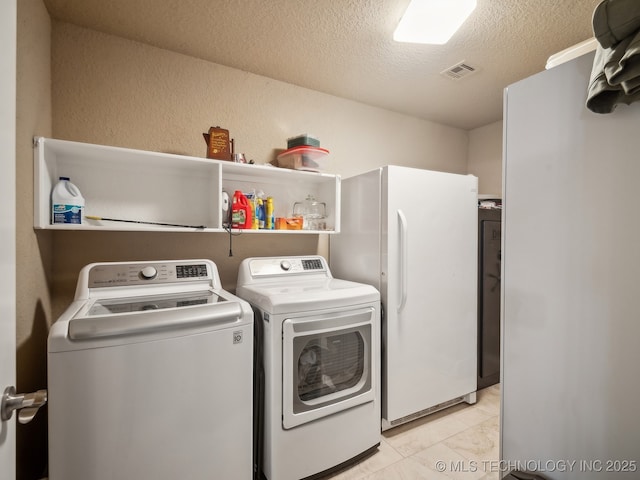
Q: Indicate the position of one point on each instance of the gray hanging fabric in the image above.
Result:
(615, 76)
(615, 20)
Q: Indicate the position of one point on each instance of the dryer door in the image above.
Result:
(327, 364)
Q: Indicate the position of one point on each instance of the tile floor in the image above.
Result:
(459, 443)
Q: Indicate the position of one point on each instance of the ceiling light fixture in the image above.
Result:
(432, 21)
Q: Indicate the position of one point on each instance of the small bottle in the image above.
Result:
(253, 203)
(67, 203)
(260, 213)
(254, 214)
(271, 224)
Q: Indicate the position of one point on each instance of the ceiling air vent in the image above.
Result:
(458, 71)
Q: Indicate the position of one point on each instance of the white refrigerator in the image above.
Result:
(570, 279)
(412, 234)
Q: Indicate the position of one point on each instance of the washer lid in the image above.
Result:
(118, 325)
(291, 297)
(107, 322)
(110, 306)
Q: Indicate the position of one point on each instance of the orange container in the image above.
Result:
(290, 223)
(294, 223)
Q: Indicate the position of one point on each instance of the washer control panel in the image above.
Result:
(271, 266)
(129, 274)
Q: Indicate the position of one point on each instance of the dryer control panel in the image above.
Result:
(279, 266)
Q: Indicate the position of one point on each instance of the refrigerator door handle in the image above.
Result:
(402, 253)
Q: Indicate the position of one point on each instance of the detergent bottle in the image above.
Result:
(240, 211)
(67, 203)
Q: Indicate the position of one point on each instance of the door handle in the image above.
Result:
(403, 249)
(27, 403)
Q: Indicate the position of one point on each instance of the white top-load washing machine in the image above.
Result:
(150, 376)
(321, 360)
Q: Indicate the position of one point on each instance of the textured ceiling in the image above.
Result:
(345, 47)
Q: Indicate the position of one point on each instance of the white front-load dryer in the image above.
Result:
(150, 376)
(321, 361)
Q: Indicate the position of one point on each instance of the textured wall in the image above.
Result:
(33, 252)
(485, 158)
(118, 92)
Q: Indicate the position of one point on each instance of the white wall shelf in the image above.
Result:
(157, 187)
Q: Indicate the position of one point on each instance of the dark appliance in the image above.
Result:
(489, 261)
